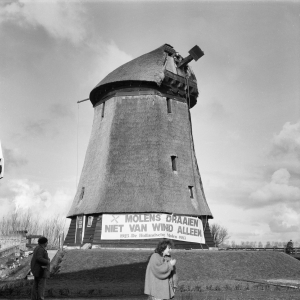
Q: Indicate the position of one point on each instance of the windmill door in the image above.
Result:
(79, 229)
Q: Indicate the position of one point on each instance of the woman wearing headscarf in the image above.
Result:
(161, 279)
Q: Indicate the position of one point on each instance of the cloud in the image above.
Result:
(42, 127)
(6, 204)
(287, 141)
(284, 153)
(61, 110)
(23, 195)
(67, 20)
(249, 234)
(108, 58)
(217, 109)
(13, 158)
(282, 226)
(37, 127)
(61, 19)
(277, 191)
(231, 188)
(281, 176)
(284, 219)
(234, 135)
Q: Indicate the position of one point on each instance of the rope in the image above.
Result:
(190, 138)
(77, 144)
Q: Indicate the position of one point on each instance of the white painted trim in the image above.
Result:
(83, 228)
(76, 230)
(71, 247)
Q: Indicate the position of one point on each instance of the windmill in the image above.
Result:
(140, 179)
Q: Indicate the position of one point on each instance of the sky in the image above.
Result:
(246, 124)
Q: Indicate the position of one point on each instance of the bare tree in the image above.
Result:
(268, 245)
(51, 227)
(219, 234)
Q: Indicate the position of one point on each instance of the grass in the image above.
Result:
(104, 273)
(238, 265)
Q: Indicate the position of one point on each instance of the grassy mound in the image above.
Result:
(236, 265)
(124, 270)
(99, 272)
(191, 265)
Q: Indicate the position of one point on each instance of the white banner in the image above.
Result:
(152, 226)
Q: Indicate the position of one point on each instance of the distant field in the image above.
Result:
(202, 274)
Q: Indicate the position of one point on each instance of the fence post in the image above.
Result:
(62, 240)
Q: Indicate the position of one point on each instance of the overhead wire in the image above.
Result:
(76, 183)
(77, 143)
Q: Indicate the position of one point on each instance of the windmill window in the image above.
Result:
(191, 192)
(103, 108)
(90, 221)
(174, 163)
(81, 194)
(169, 105)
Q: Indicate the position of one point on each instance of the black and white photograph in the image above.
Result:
(150, 149)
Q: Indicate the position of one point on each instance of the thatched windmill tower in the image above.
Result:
(141, 158)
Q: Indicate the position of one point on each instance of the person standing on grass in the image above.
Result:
(161, 279)
(290, 247)
(40, 265)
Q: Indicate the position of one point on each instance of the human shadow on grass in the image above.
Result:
(120, 280)
(129, 272)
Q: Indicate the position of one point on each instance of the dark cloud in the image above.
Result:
(13, 158)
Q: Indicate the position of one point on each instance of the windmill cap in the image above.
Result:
(150, 70)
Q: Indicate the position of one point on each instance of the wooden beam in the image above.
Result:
(83, 100)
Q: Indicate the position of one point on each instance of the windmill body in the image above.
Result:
(140, 161)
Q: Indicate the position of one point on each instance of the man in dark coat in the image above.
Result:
(40, 262)
(290, 247)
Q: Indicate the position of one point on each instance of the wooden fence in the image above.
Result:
(295, 251)
(29, 238)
